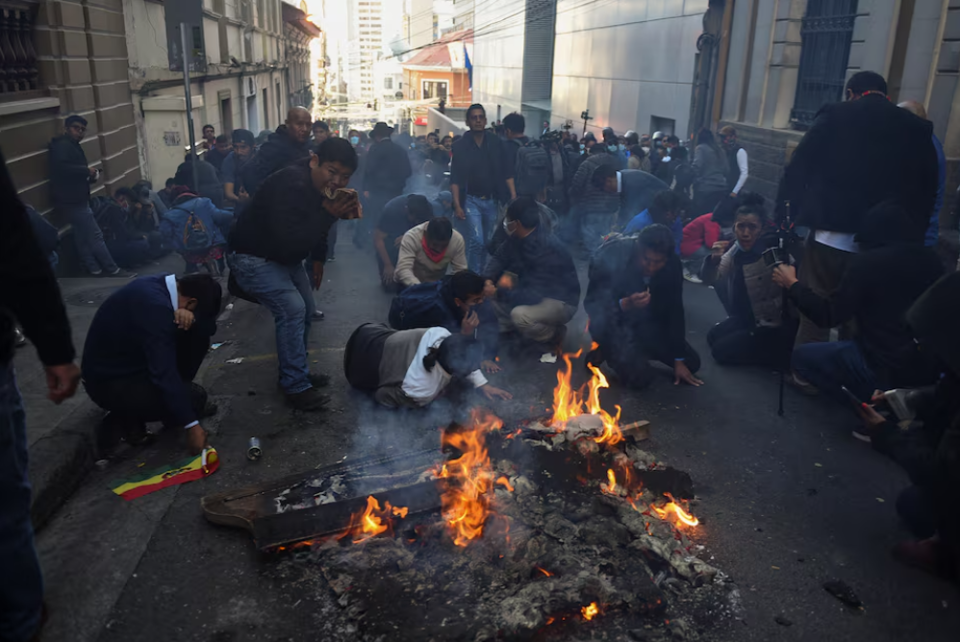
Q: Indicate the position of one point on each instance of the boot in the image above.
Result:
(310, 400)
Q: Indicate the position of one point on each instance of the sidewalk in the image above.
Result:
(61, 438)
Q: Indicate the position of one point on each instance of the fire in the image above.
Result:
(544, 571)
(503, 481)
(611, 488)
(373, 521)
(589, 612)
(683, 516)
(569, 403)
(465, 502)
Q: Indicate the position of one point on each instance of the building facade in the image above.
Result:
(513, 68)
(299, 34)
(68, 58)
(247, 82)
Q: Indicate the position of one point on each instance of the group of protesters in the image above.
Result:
(488, 269)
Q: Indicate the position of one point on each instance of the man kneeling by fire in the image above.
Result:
(412, 368)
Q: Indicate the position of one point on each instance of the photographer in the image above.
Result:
(755, 333)
(881, 282)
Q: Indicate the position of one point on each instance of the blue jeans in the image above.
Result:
(285, 291)
(21, 584)
(93, 252)
(828, 366)
(477, 229)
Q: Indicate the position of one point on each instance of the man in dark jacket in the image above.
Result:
(289, 144)
(386, 172)
(881, 283)
(929, 455)
(70, 179)
(857, 154)
(635, 303)
(143, 349)
(533, 278)
(28, 296)
(456, 302)
(286, 222)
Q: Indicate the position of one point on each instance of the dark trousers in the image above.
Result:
(735, 342)
(705, 202)
(828, 366)
(137, 400)
(821, 270)
(629, 349)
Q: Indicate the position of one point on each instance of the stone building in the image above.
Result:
(68, 57)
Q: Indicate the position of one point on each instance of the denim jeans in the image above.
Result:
(828, 366)
(93, 252)
(21, 584)
(477, 229)
(284, 290)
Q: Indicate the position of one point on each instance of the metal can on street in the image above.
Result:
(253, 449)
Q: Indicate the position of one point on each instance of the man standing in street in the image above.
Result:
(28, 296)
(233, 192)
(287, 145)
(737, 168)
(321, 132)
(856, 155)
(221, 148)
(70, 179)
(286, 222)
(386, 171)
(209, 137)
(477, 180)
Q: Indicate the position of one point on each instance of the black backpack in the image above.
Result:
(532, 171)
(195, 236)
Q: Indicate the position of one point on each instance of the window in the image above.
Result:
(434, 89)
(826, 34)
(226, 114)
(18, 62)
(388, 83)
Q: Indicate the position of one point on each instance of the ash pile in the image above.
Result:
(564, 529)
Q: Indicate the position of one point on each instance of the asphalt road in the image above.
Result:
(786, 503)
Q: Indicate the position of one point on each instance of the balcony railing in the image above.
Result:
(19, 73)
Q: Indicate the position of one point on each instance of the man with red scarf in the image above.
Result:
(426, 252)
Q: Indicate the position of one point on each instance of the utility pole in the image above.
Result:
(189, 106)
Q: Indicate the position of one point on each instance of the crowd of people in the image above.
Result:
(488, 268)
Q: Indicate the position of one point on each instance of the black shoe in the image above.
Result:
(120, 273)
(332, 258)
(318, 315)
(310, 400)
(209, 410)
(319, 380)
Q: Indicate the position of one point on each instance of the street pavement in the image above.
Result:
(785, 503)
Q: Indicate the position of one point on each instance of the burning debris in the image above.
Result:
(563, 522)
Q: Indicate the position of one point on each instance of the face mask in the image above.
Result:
(621, 147)
(509, 227)
(611, 148)
(354, 140)
(582, 148)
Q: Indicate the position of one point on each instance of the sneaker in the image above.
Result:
(119, 273)
(691, 277)
(331, 259)
(803, 386)
(319, 380)
(318, 315)
(310, 400)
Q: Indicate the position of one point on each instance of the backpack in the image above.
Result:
(195, 236)
(533, 168)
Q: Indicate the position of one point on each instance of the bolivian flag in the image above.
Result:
(184, 471)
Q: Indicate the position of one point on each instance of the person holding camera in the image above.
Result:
(882, 281)
(755, 333)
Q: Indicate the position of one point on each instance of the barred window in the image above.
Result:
(19, 73)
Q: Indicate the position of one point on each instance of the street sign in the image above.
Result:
(190, 13)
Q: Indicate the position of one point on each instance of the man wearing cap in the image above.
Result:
(70, 179)
(386, 172)
(233, 192)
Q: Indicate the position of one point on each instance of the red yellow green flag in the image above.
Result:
(184, 471)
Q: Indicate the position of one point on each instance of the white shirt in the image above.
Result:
(171, 281)
(742, 164)
(842, 241)
(423, 386)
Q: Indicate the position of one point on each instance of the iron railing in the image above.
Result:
(18, 58)
(826, 34)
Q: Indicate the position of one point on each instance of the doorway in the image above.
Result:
(253, 123)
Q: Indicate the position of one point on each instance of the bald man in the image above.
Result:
(285, 146)
(933, 232)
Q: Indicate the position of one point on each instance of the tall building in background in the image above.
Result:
(372, 25)
(427, 20)
(463, 14)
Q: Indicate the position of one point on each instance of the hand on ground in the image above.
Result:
(682, 373)
(491, 393)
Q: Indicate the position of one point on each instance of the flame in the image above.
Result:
(372, 521)
(503, 481)
(589, 612)
(569, 403)
(683, 516)
(611, 487)
(545, 572)
(465, 502)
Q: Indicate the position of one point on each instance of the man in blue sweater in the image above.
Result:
(144, 348)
